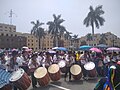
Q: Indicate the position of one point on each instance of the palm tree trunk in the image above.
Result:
(39, 44)
(93, 35)
(56, 41)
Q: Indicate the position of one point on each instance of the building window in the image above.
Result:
(6, 27)
(7, 39)
(28, 44)
(32, 44)
(11, 34)
(14, 28)
(36, 40)
(10, 28)
(32, 40)
(28, 40)
(2, 34)
(15, 35)
(1, 30)
(6, 34)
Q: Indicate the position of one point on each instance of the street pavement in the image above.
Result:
(69, 85)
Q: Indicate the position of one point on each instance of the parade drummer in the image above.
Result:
(40, 58)
(2, 58)
(69, 61)
(77, 58)
(33, 65)
(23, 60)
(48, 60)
(12, 64)
(84, 60)
(112, 81)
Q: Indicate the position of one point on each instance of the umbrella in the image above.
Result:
(62, 48)
(54, 48)
(85, 47)
(96, 50)
(102, 46)
(113, 49)
(52, 51)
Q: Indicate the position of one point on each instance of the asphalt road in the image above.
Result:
(69, 85)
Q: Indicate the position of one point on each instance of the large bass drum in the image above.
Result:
(62, 65)
(20, 79)
(76, 71)
(42, 76)
(54, 72)
(90, 67)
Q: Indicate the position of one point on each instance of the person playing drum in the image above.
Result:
(12, 64)
(69, 61)
(84, 60)
(33, 65)
(48, 60)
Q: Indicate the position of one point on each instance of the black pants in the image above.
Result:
(68, 71)
(34, 80)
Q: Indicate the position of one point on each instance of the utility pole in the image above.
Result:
(11, 13)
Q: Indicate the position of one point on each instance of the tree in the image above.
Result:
(89, 37)
(67, 35)
(56, 29)
(75, 36)
(83, 42)
(38, 31)
(103, 39)
(94, 18)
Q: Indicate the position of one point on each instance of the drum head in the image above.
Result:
(40, 72)
(53, 68)
(17, 75)
(61, 64)
(89, 66)
(75, 69)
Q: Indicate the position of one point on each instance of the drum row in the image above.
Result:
(21, 80)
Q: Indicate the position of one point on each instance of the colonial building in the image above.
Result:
(9, 38)
(105, 38)
(32, 41)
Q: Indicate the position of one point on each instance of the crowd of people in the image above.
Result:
(30, 61)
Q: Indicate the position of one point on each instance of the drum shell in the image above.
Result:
(92, 73)
(6, 87)
(78, 76)
(55, 76)
(63, 68)
(23, 83)
(90, 68)
(44, 81)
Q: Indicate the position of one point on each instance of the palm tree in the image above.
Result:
(89, 37)
(75, 36)
(103, 39)
(94, 18)
(67, 35)
(74, 39)
(55, 28)
(38, 31)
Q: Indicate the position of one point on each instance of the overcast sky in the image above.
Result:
(72, 11)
